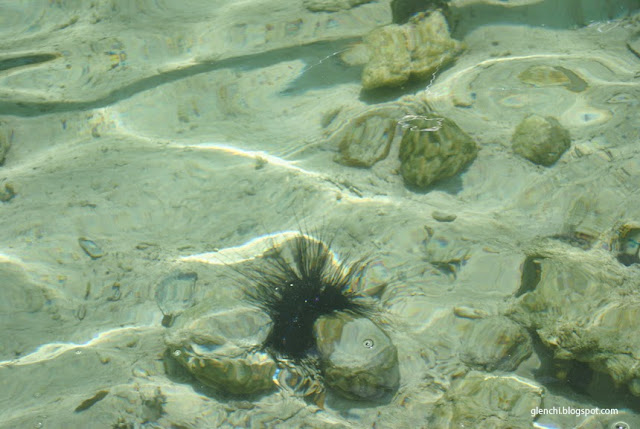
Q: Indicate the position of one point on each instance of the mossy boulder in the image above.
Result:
(541, 140)
(433, 148)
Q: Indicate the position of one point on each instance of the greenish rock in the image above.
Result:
(358, 359)
(431, 44)
(389, 58)
(541, 140)
(417, 48)
(366, 138)
(433, 148)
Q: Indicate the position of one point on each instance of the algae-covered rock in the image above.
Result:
(541, 140)
(433, 148)
(417, 48)
(486, 401)
(366, 138)
(496, 343)
(389, 57)
(431, 44)
(358, 359)
(332, 5)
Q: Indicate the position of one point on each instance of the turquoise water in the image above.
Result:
(151, 150)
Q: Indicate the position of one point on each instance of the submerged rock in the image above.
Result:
(366, 139)
(7, 192)
(403, 10)
(332, 5)
(433, 148)
(496, 343)
(4, 143)
(587, 220)
(221, 351)
(174, 294)
(358, 359)
(620, 420)
(418, 48)
(238, 372)
(585, 306)
(486, 401)
(389, 58)
(545, 75)
(627, 243)
(634, 44)
(540, 140)
(93, 250)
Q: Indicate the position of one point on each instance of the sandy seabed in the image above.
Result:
(145, 132)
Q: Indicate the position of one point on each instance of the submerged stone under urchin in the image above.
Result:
(315, 312)
(309, 329)
(357, 357)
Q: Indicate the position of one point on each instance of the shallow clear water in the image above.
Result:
(153, 150)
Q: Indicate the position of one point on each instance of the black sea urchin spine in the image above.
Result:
(296, 291)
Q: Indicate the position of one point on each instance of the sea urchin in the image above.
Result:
(296, 289)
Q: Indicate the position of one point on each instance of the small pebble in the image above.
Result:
(469, 313)
(88, 403)
(140, 373)
(81, 312)
(442, 216)
(90, 248)
(7, 192)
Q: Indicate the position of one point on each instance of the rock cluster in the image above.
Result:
(432, 147)
(584, 306)
(223, 351)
